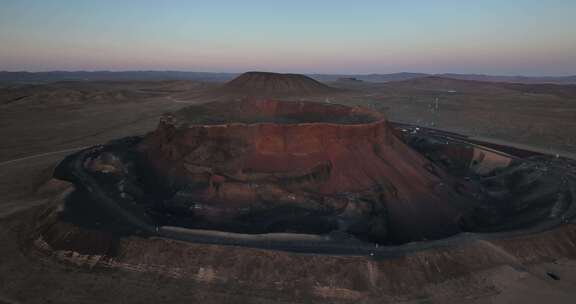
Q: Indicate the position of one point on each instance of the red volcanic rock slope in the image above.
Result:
(333, 161)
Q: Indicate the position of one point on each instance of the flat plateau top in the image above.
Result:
(272, 111)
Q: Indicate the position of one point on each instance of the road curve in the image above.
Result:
(40, 155)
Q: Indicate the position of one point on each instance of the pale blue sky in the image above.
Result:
(497, 37)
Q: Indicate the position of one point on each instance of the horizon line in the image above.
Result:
(303, 73)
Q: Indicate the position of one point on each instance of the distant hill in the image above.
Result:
(349, 79)
(368, 77)
(91, 92)
(43, 77)
(477, 77)
(273, 85)
(453, 85)
(516, 79)
(64, 93)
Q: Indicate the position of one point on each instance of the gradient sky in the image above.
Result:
(530, 37)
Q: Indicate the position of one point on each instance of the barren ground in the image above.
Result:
(39, 125)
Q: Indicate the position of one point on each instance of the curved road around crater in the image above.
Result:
(40, 155)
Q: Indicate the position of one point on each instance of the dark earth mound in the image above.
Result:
(265, 84)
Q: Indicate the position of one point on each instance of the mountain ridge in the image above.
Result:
(23, 77)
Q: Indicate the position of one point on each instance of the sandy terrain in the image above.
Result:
(41, 124)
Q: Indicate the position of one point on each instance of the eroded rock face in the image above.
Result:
(272, 166)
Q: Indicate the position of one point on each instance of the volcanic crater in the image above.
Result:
(305, 176)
